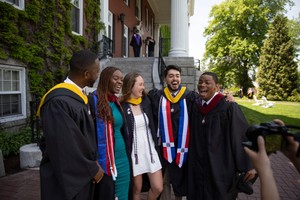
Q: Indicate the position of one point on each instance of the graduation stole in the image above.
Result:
(136, 101)
(211, 105)
(68, 86)
(105, 142)
(165, 127)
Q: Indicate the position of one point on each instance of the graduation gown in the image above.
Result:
(178, 176)
(68, 147)
(216, 151)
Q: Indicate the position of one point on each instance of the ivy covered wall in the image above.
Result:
(41, 37)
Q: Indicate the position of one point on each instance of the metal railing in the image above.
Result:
(105, 48)
(164, 46)
(34, 122)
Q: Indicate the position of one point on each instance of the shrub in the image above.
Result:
(295, 97)
(11, 143)
(234, 91)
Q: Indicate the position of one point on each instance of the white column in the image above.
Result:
(179, 29)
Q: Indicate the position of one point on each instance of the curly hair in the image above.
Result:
(103, 91)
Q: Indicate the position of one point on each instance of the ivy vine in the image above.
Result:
(41, 37)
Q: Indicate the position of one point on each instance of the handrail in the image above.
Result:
(161, 69)
(105, 47)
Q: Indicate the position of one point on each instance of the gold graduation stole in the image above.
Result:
(177, 97)
(68, 86)
(136, 101)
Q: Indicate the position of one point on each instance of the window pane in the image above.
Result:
(10, 104)
(6, 85)
(15, 76)
(15, 86)
(5, 105)
(10, 80)
(1, 79)
(16, 2)
(15, 104)
(109, 32)
(75, 19)
(7, 75)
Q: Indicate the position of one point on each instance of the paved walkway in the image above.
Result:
(25, 185)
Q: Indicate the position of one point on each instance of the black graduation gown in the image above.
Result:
(68, 146)
(178, 176)
(216, 151)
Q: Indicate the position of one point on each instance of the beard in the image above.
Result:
(173, 90)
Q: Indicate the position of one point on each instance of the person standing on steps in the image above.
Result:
(150, 44)
(136, 42)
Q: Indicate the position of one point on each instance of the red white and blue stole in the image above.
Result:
(110, 150)
(166, 130)
(105, 142)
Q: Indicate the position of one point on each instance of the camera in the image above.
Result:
(273, 134)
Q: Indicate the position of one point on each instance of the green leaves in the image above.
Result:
(40, 36)
(10, 143)
(235, 35)
(277, 76)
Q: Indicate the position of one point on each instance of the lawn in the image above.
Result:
(289, 112)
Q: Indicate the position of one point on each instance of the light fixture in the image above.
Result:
(122, 17)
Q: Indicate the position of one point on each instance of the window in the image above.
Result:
(12, 93)
(152, 27)
(126, 41)
(20, 4)
(147, 19)
(110, 25)
(77, 16)
(138, 12)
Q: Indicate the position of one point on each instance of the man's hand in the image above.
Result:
(98, 177)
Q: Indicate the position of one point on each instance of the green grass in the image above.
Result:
(289, 112)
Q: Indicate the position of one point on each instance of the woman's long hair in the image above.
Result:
(128, 83)
(103, 91)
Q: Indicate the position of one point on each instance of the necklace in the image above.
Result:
(135, 138)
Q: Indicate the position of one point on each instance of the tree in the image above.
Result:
(294, 31)
(277, 75)
(165, 40)
(235, 36)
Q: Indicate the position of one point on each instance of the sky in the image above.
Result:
(199, 21)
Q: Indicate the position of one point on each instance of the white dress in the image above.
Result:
(140, 139)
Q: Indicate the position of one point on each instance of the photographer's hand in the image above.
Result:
(290, 147)
(259, 159)
(262, 165)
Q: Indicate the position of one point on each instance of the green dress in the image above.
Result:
(121, 159)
